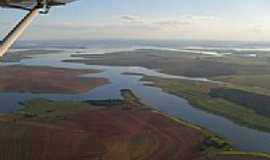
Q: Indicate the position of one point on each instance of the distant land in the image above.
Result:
(19, 54)
(181, 63)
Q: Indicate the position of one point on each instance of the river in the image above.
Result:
(241, 137)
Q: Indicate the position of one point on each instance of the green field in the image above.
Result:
(197, 93)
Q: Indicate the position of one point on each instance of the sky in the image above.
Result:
(237, 20)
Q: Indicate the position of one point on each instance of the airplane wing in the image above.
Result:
(34, 7)
(29, 4)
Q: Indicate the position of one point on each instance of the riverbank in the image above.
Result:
(113, 131)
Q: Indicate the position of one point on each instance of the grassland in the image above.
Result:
(198, 94)
(48, 130)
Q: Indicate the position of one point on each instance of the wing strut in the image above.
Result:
(17, 31)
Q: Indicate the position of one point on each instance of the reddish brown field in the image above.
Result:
(46, 80)
(114, 133)
(100, 134)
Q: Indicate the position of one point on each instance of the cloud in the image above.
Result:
(188, 19)
(125, 26)
(129, 26)
(172, 23)
(131, 19)
(258, 29)
(201, 18)
(169, 21)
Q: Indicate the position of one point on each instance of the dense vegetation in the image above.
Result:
(259, 103)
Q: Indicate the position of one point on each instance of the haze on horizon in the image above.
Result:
(151, 19)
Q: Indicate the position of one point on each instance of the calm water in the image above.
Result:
(241, 137)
